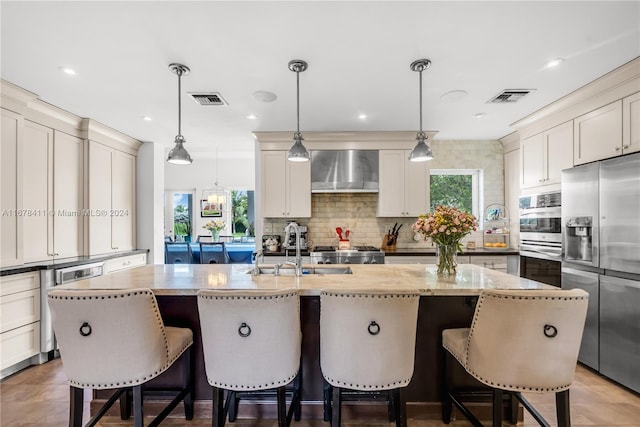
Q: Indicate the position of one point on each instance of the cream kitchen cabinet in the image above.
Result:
(286, 186)
(11, 189)
(404, 185)
(543, 156)
(631, 124)
(111, 207)
(598, 135)
(52, 194)
(19, 318)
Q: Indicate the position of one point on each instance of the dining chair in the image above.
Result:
(177, 253)
(213, 253)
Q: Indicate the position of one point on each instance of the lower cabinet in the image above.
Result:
(124, 263)
(19, 318)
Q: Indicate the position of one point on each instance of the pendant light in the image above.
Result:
(216, 197)
(421, 152)
(179, 155)
(298, 152)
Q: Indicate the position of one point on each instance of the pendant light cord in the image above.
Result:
(298, 100)
(421, 101)
(179, 73)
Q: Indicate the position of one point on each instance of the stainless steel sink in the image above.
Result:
(290, 271)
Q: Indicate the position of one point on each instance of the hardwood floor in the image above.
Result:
(39, 396)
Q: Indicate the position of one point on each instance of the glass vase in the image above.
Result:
(447, 259)
(215, 236)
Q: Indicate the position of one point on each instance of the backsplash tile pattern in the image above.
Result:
(357, 211)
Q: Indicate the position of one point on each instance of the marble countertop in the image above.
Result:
(187, 279)
(465, 252)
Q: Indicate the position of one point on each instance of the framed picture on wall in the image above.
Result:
(208, 209)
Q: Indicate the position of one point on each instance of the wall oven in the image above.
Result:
(541, 237)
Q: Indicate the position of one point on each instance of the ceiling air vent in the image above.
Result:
(510, 95)
(212, 98)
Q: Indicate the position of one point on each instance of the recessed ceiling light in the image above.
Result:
(68, 71)
(554, 63)
(362, 116)
(479, 115)
(252, 116)
(146, 118)
(453, 96)
(264, 96)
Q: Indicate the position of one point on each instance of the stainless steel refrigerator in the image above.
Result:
(601, 254)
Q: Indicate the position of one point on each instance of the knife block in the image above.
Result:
(388, 243)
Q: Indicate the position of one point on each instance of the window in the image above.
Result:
(243, 222)
(178, 215)
(456, 187)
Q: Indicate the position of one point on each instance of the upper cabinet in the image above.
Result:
(598, 134)
(52, 194)
(543, 156)
(286, 186)
(68, 183)
(404, 185)
(631, 124)
(11, 189)
(609, 131)
(111, 213)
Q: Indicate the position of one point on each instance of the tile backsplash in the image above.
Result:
(357, 212)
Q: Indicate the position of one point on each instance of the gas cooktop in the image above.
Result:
(355, 255)
(353, 248)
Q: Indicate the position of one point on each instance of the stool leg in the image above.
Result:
(188, 383)
(562, 409)
(297, 387)
(233, 403)
(447, 403)
(138, 412)
(76, 398)
(327, 401)
(401, 408)
(336, 408)
(391, 407)
(497, 407)
(513, 408)
(282, 407)
(125, 405)
(218, 407)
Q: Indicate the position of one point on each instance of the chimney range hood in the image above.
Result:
(344, 171)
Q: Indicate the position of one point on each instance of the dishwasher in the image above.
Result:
(49, 279)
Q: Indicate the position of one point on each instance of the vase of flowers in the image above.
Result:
(446, 226)
(214, 228)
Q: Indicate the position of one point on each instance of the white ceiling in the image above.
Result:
(358, 54)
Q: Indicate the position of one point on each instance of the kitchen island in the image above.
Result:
(445, 303)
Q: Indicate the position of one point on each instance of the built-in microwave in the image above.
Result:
(541, 226)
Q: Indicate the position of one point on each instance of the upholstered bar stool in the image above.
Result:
(520, 341)
(251, 341)
(367, 343)
(116, 339)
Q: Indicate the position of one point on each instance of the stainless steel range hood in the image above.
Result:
(344, 171)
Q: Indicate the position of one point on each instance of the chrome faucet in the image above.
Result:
(298, 261)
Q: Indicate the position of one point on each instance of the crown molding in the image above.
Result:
(96, 131)
(615, 85)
